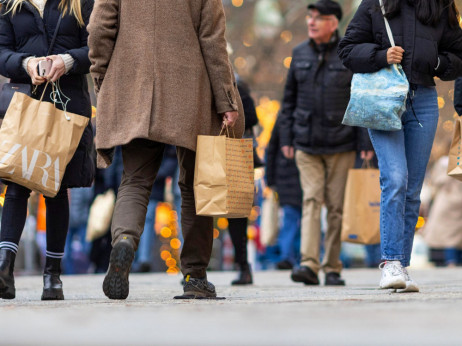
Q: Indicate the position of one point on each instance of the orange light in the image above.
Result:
(216, 233)
(165, 255)
(175, 243)
(222, 223)
(166, 232)
(170, 262)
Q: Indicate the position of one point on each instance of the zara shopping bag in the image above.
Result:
(378, 100)
(361, 208)
(37, 141)
(455, 163)
(224, 177)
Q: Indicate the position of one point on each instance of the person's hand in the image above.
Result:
(367, 155)
(288, 152)
(395, 55)
(33, 73)
(57, 69)
(230, 118)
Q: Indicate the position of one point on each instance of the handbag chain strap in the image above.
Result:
(387, 25)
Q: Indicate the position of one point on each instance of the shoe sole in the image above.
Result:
(198, 295)
(115, 284)
(300, 278)
(410, 288)
(398, 284)
(53, 294)
(6, 292)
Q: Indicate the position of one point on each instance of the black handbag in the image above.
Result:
(8, 89)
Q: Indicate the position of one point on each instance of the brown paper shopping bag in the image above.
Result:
(361, 208)
(224, 177)
(37, 141)
(455, 166)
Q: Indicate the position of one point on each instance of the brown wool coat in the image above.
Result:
(166, 72)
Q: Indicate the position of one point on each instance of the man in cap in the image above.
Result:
(316, 95)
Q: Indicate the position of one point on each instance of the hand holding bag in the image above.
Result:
(224, 177)
(378, 100)
(8, 89)
(37, 141)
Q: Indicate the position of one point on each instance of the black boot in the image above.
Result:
(52, 285)
(7, 290)
(245, 275)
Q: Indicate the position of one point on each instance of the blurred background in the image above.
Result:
(261, 35)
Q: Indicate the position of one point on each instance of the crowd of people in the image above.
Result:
(162, 76)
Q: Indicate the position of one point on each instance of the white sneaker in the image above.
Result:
(392, 275)
(411, 286)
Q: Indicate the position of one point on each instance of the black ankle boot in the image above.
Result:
(245, 275)
(7, 290)
(52, 285)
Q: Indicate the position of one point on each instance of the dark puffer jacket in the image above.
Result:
(458, 96)
(27, 34)
(316, 96)
(281, 173)
(364, 47)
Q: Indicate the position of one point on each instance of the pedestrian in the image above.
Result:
(428, 44)
(238, 226)
(163, 76)
(26, 31)
(316, 96)
(282, 176)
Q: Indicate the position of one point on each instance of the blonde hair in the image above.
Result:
(71, 7)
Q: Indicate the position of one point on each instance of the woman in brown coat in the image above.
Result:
(163, 77)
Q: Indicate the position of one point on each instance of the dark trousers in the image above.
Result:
(238, 232)
(141, 160)
(15, 212)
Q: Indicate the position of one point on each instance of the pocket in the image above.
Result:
(338, 76)
(425, 55)
(302, 125)
(302, 70)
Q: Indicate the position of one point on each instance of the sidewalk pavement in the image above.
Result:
(273, 311)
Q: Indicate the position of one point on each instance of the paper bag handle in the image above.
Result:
(227, 131)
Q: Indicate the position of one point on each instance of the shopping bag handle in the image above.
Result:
(227, 131)
(56, 97)
(366, 164)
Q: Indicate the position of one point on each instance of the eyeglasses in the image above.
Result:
(317, 19)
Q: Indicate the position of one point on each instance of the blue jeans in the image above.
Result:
(144, 253)
(289, 234)
(403, 156)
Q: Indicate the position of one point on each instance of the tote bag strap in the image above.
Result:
(53, 40)
(387, 25)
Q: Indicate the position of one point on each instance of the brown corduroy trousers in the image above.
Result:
(141, 160)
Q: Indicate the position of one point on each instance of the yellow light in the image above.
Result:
(165, 255)
(222, 223)
(455, 116)
(216, 233)
(170, 262)
(93, 111)
(287, 61)
(237, 3)
(166, 232)
(420, 222)
(441, 102)
(448, 126)
(173, 270)
(2, 200)
(240, 62)
(286, 36)
(251, 232)
(175, 243)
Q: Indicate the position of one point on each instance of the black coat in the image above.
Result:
(364, 47)
(281, 173)
(316, 96)
(458, 96)
(27, 34)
